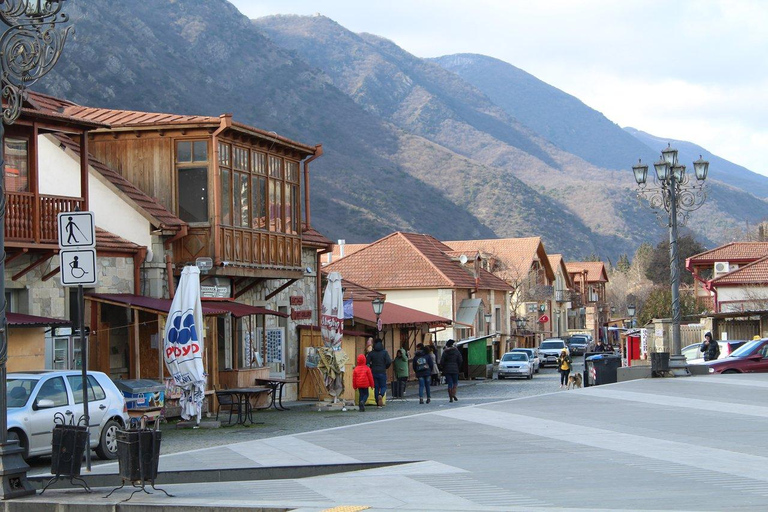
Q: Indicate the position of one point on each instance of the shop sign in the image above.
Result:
(297, 300)
(301, 314)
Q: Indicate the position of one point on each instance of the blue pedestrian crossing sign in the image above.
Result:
(78, 267)
(76, 229)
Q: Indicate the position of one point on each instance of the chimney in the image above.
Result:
(341, 247)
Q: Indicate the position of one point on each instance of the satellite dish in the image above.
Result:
(463, 259)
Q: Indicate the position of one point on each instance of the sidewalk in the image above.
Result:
(694, 443)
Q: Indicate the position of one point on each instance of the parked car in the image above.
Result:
(694, 355)
(752, 356)
(577, 344)
(515, 364)
(533, 355)
(35, 398)
(550, 349)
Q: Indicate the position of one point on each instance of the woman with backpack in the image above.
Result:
(450, 365)
(422, 367)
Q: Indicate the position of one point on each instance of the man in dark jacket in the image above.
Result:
(710, 347)
(379, 360)
(422, 367)
(450, 365)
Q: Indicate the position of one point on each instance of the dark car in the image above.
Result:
(750, 357)
(577, 345)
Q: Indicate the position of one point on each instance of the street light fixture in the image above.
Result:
(488, 317)
(677, 194)
(378, 307)
(29, 48)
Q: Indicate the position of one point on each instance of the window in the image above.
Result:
(192, 171)
(259, 191)
(242, 216)
(95, 391)
(275, 205)
(54, 389)
(16, 165)
(497, 320)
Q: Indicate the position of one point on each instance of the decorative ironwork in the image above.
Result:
(29, 48)
(689, 193)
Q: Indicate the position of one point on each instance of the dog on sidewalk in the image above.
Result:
(574, 381)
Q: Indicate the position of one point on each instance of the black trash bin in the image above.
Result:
(601, 369)
(138, 453)
(67, 450)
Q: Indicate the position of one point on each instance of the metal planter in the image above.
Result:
(138, 454)
(68, 448)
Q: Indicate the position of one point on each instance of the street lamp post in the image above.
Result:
(378, 307)
(488, 317)
(29, 48)
(631, 314)
(678, 195)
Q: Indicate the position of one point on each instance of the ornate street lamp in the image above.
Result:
(520, 322)
(29, 48)
(488, 317)
(378, 307)
(677, 194)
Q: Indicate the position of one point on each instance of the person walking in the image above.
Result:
(600, 347)
(379, 360)
(422, 367)
(450, 365)
(710, 347)
(362, 379)
(564, 367)
(401, 372)
(435, 370)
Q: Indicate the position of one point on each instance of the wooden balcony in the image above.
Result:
(241, 249)
(34, 221)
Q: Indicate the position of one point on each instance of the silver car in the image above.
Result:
(533, 355)
(515, 364)
(35, 398)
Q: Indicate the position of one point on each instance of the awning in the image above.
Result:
(162, 306)
(393, 314)
(468, 311)
(21, 320)
(476, 338)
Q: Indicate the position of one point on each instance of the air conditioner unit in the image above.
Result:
(722, 267)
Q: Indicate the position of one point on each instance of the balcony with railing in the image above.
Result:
(31, 219)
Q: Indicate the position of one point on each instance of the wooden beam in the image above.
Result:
(33, 266)
(15, 255)
(240, 292)
(51, 274)
(160, 358)
(136, 347)
(281, 288)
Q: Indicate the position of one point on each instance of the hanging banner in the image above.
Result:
(332, 312)
(183, 344)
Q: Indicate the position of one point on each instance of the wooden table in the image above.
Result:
(276, 384)
(244, 399)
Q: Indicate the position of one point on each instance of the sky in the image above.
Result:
(688, 70)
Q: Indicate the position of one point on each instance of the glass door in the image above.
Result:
(61, 353)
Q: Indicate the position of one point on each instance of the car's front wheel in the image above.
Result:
(730, 371)
(107, 448)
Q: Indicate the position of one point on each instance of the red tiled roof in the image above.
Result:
(732, 252)
(555, 261)
(595, 270)
(515, 254)
(109, 242)
(394, 315)
(165, 219)
(410, 260)
(753, 273)
(313, 238)
(348, 249)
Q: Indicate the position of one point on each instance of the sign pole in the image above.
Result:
(84, 366)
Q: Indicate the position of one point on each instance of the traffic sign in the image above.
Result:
(543, 319)
(78, 267)
(379, 325)
(76, 229)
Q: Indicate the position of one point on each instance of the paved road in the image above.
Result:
(693, 443)
(304, 418)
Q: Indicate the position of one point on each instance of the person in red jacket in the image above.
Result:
(362, 379)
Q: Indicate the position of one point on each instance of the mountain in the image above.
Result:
(555, 115)
(408, 144)
(501, 126)
(719, 168)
